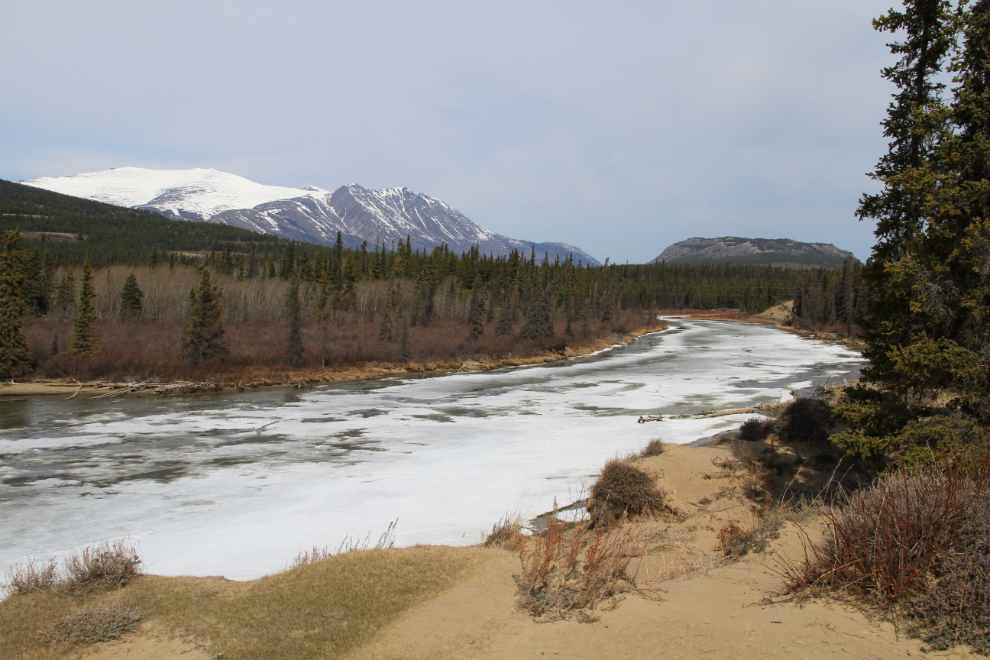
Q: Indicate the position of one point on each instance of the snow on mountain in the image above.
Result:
(193, 194)
(305, 214)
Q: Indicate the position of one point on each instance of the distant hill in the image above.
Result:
(307, 214)
(736, 250)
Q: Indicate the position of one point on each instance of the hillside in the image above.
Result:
(733, 249)
(308, 214)
(73, 228)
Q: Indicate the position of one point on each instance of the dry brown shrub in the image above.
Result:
(805, 420)
(654, 447)
(755, 429)
(956, 608)
(624, 490)
(506, 534)
(101, 567)
(562, 575)
(35, 576)
(88, 625)
(882, 543)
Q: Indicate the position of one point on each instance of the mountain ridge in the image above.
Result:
(308, 214)
(736, 249)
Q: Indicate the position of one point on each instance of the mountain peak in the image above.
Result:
(308, 214)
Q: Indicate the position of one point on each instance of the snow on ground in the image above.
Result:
(239, 484)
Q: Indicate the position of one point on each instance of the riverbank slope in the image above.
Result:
(693, 598)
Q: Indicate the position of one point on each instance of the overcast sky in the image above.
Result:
(619, 127)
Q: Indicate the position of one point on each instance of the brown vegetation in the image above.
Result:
(101, 567)
(623, 490)
(335, 334)
(91, 624)
(563, 573)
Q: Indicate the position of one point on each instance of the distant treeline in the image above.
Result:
(62, 231)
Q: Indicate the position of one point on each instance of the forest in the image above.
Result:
(281, 303)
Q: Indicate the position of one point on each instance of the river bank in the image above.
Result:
(31, 388)
(694, 595)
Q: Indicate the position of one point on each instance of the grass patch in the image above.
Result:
(322, 609)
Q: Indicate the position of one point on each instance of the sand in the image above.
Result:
(720, 611)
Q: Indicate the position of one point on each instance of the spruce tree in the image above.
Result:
(65, 295)
(131, 298)
(203, 340)
(293, 341)
(83, 334)
(15, 357)
(928, 326)
(476, 311)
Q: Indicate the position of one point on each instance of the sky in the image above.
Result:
(618, 127)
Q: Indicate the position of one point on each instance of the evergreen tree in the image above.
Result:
(155, 260)
(35, 291)
(476, 311)
(203, 340)
(131, 298)
(293, 341)
(928, 326)
(65, 296)
(15, 357)
(288, 265)
(83, 334)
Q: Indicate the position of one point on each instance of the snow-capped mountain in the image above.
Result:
(305, 214)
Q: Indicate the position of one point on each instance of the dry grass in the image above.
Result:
(574, 573)
(506, 534)
(624, 490)
(654, 447)
(322, 609)
(385, 542)
(88, 625)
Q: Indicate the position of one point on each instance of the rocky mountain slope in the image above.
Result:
(307, 214)
(733, 249)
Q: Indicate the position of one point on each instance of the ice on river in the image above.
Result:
(237, 485)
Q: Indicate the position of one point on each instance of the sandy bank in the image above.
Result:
(709, 606)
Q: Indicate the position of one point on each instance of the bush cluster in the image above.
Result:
(623, 489)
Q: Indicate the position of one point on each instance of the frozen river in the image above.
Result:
(238, 484)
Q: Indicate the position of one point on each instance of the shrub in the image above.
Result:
(623, 489)
(957, 607)
(558, 578)
(805, 420)
(654, 447)
(506, 534)
(755, 429)
(101, 567)
(883, 542)
(36, 576)
(88, 625)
